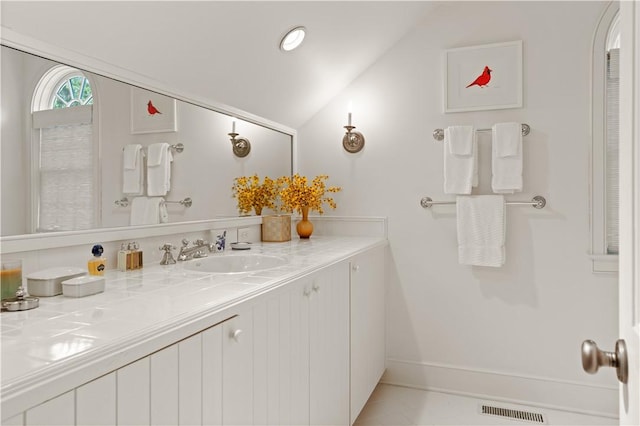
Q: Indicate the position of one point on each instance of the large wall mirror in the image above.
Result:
(48, 175)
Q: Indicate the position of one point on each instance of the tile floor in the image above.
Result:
(395, 405)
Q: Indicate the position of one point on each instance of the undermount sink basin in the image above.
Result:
(234, 263)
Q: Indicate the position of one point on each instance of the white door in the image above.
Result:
(629, 287)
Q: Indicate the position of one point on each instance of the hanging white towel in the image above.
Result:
(460, 159)
(159, 160)
(132, 175)
(148, 211)
(506, 158)
(138, 211)
(481, 230)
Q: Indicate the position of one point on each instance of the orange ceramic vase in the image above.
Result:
(304, 227)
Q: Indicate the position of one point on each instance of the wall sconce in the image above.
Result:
(241, 146)
(352, 141)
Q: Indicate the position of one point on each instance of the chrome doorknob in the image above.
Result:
(593, 358)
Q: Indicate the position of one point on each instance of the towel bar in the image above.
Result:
(177, 147)
(187, 202)
(438, 134)
(537, 202)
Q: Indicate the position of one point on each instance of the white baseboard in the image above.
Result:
(526, 390)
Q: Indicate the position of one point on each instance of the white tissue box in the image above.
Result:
(83, 286)
(49, 281)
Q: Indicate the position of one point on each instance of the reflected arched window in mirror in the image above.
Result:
(73, 90)
(63, 166)
(605, 134)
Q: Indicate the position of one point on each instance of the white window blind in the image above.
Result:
(66, 197)
(612, 193)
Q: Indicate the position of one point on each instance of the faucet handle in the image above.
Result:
(201, 242)
(185, 242)
(167, 258)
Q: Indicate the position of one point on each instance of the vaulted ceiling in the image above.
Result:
(228, 51)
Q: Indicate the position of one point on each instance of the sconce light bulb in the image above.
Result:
(233, 127)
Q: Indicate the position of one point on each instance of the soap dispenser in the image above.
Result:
(97, 264)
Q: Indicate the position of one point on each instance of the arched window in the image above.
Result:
(64, 176)
(605, 133)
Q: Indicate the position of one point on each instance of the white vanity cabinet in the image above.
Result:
(205, 379)
(306, 351)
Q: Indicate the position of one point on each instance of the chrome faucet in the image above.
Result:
(196, 251)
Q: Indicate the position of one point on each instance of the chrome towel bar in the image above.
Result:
(187, 202)
(537, 202)
(438, 134)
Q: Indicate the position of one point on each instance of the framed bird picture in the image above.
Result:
(152, 112)
(483, 77)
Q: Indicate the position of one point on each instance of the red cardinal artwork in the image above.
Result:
(483, 79)
(152, 110)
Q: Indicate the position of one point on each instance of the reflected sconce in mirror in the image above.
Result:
(241, 146)
(352, 141)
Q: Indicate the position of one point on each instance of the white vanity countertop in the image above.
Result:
(63, 333)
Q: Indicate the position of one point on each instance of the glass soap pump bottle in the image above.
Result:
(97, 264)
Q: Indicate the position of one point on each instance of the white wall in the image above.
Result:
(513, 332)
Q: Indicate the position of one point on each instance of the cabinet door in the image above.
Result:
(190, 380)
(57, 411)
(329, 346)
(164, 386)
(133, 393)
(237, 370)
(367, 326)
(212, 376)
(299, 351)
(96, 402)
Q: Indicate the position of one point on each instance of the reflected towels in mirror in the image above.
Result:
(132, 169)
(159, 160)
(148, 211)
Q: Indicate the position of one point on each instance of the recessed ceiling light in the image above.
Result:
(292, 39)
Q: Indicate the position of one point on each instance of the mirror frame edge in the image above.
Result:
(30, 242)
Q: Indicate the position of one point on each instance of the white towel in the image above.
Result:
(460, 170)
(148, 211)
(506, 158)
(132, 174)
(481, 230)
(159, 160)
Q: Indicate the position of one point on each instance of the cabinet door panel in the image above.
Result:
(299, 350)
(190, 380)
(367, 326)
(57, 411)
(261, 358)
(212, 376)
(329, 343)
(164, 386)
(280, 360)
(96, 402)
(133, 393)
(237, 370)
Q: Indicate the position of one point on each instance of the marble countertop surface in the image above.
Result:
(64, 332)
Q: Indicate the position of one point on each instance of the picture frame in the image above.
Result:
(484, 77)
(152, 112)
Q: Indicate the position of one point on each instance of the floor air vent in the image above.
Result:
(525, 416)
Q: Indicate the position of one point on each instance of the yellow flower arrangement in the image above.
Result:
(295, 193)
(253, 195)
